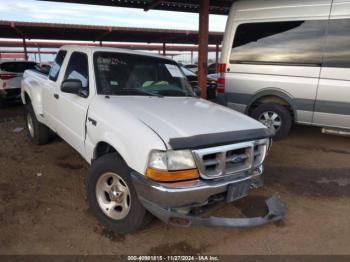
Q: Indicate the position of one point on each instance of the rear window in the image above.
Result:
(17, 67)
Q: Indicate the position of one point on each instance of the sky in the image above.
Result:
(51, 12)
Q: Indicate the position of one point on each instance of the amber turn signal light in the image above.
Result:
(171, 176)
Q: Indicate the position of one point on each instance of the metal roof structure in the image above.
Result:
(202, 7)
(53, 31)
(56, 44)
(218, 7)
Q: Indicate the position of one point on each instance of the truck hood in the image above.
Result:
(178, 117)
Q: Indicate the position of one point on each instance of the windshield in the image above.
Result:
(128, 74)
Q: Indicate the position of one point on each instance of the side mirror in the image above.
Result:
(73, 86)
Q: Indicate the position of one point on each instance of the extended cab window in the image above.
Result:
(291, 42)
(129, 74)
(78, 69)
(56, 67)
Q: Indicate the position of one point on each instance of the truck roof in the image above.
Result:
(87, 48)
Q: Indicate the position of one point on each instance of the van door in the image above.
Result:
(332, 107)
(72, 107)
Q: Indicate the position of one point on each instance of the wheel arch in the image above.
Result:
(26, 98)
(274, 96)
(103, 148)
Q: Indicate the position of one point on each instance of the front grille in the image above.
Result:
(235, 159)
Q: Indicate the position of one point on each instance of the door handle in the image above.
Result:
(56, 96)
(93, 121)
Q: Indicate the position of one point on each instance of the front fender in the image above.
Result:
(131, 138)
(34, 94)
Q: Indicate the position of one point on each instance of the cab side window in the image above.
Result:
(287, 42)
(338, 44)
(56, 67)
(78, 69)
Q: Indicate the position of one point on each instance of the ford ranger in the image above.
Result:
(154, 147)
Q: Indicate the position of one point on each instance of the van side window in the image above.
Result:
(78, 69)
(56, 67)
(338, 44)
(294, 43)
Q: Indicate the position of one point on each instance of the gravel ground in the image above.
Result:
(43, 207)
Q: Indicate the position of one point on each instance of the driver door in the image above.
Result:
(73, 108)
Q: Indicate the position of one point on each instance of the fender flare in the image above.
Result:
(117, 146)
(37, 106)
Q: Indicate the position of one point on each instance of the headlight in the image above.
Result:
(171, 160)
(170, 166)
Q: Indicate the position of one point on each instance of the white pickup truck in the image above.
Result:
(154, 148)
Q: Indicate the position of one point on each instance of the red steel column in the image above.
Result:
(164, 49)
(203, 46)
(25, 49)
(217, 55)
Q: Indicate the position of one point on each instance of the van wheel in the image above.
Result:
(112, 196)
(275, 117)
(37, 132)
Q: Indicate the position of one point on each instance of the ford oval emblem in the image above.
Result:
(237, 159)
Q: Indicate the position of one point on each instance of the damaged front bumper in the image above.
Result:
(173, 203)
(276, 211)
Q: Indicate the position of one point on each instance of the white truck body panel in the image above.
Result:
(133, 125)
(153, 121)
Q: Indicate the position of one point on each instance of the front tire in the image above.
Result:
(112, 196)
(37, 132)
(276, 117)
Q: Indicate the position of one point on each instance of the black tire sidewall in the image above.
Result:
(137, 213)
(41, 132)
(282, 111)
(29, 110)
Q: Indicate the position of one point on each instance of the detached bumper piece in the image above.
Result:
(276, 211)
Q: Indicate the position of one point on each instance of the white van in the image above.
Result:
(287, 62)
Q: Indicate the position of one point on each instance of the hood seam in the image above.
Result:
(155, 133)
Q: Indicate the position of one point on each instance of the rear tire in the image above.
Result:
(37, 132)
(276, 117)
(112, 196)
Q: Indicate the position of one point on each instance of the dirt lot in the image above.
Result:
(43, 208)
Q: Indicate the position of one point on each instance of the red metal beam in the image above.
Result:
(104, 34)
(29, 52)
(203, 47)
(31, 30)
(44, 44)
